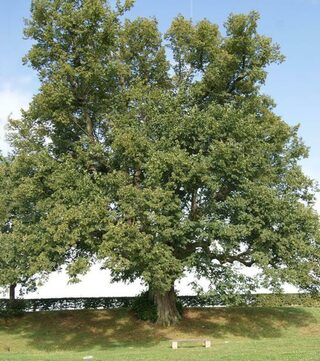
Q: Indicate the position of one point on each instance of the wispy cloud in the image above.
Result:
(11, 102)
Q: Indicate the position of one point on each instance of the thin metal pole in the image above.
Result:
(191, 9)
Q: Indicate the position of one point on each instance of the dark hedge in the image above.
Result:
(8, 308)
(71, 303)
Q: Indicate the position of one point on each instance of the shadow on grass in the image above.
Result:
(250, 322)
(78, 330)
(100, 330)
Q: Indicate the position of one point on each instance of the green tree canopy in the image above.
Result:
(22, 260)
(159, 167)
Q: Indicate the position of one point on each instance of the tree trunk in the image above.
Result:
(12, 292)
(167, 312)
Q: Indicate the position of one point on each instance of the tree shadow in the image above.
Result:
(250, 322)
(80, 330)
(87, 330)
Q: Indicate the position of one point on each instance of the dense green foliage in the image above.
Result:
(159, 168)
(144, 308)
(12, 308)
(21, 260)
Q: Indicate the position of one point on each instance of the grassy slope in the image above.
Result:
(242, 334)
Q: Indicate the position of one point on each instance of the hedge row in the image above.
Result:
(71, 303)
(287, 299)
(261, 299)
(8, 307)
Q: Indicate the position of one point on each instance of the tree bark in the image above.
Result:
(89, 125)
(12, 292)
(193, 210)
(167, 312)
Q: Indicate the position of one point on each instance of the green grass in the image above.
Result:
(242, 334)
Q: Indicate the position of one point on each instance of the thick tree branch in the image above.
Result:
(89, 124)
(194, 206)
(238, 76)
(243, 258)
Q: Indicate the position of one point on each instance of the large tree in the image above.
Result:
(159, 167)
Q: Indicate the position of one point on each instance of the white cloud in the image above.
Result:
(95, 284)
(317, 205)
(11, 102)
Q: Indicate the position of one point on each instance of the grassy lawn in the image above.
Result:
(242, 334)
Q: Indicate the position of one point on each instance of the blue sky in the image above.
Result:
(294, 85)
